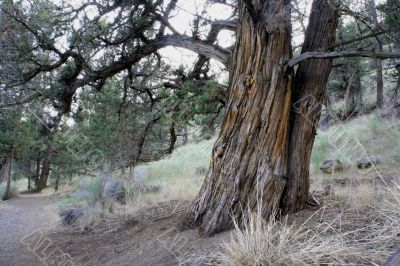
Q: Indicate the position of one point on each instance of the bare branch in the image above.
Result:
(373, 34)
(323, 55)
(212, 51)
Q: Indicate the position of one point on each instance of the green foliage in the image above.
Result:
(320, 151)
(391, 9)
(68, 202)
(89, 193)
(91, 189)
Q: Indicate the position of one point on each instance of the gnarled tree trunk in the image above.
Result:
(309, 90)
(250, 166)
(248, 163)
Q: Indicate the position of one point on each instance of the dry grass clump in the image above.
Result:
(328, 237)
(357, 198)
(179, 190)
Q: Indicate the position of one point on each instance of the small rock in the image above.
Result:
(327, 121)
(331, 166)
(115, 190)
(70, 216)
(367, 161)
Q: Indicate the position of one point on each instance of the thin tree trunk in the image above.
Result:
(328, 104)
(58, 177)
(29, 172)
(349, 97)
(46, 166)
(353, 99)
(37, 172)
(172, 133)
(3, 162)
(377, 61)
(396, 92)
(8, 194)
(379, 83)
(250, 167)
(358, 92)
(185, 135)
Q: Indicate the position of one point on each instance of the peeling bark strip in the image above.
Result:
(261, 158)
(249, 159)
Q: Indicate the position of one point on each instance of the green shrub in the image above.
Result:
(91, 190)
(68, 202)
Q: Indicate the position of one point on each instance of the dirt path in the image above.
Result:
(151, 238)
(19, 218)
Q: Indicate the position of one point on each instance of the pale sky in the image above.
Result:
(184, 15)
(181, 21)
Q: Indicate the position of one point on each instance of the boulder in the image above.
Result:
(331, 166)
(327, 120)
(367, 161)
(394, 260)
(115, 190)
(71, 216)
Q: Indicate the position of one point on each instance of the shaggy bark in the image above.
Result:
(248, 163)
(251, 166)
(310, 81)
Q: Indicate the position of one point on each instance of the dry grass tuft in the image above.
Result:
(327, 237)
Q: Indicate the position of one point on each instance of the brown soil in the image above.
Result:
(151, 238)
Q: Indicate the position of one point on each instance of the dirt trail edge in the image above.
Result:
(24, 222)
